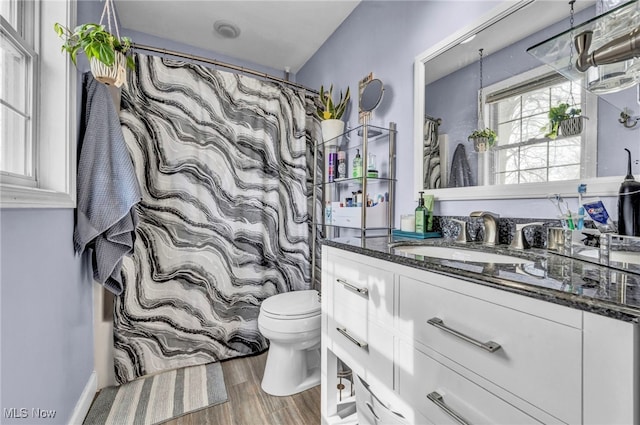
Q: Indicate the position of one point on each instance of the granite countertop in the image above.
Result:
(548, 276)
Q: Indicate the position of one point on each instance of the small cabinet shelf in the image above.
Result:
(359, 205)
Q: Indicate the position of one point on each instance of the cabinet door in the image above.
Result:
(445, 397)
(361, 288)
(364, 346)
(538, 360)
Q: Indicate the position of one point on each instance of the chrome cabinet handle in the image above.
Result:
(437, 399)
(344, 332)
(490, 346)
(361, 291)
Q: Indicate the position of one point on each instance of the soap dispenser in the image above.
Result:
(357, 165)
(421, 215)
(629, 204)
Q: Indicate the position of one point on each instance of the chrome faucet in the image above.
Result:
(490, 221)
(463, 233)
(519, 241)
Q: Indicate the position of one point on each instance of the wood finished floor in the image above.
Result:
(247, 404)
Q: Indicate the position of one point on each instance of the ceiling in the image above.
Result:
(275, 34)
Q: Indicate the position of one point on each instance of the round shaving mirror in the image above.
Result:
(371, 95)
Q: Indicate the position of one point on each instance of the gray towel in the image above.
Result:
(460, 175)
(107, 189)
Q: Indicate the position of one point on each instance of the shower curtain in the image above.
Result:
(431, 155)
(225, 165)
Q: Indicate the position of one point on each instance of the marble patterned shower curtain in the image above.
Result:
(225, 163)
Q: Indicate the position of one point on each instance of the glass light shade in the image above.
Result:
(560, 53)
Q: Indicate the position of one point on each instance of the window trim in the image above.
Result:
(588, 154)
(55, 108)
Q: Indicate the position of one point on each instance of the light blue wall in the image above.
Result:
(47, 330)
(385, 37)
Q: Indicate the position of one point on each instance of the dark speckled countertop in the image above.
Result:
(549, 277)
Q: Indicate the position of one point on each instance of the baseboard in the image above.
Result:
(85, 400)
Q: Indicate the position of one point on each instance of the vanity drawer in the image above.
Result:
(534, 358)
(365, 347)
(421, 379)
(363, 289)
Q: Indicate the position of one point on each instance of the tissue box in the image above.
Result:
(377, 216)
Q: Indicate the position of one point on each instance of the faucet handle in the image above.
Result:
(463, 234)
(519, 241)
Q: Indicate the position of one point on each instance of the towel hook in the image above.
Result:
(627, 120)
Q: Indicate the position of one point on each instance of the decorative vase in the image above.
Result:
(332, 131)
(571, 127)
(480, 144)
(114, 75)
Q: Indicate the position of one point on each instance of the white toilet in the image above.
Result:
(291, 322)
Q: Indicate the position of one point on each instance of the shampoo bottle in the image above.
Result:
(421, 215)
(629, 204)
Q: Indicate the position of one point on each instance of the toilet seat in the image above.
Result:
(293, 305)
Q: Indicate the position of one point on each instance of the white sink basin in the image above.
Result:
(458, 254)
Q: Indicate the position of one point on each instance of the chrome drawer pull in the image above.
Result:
(437, 399)
(361, 291)
(344, 332)
(490, 346)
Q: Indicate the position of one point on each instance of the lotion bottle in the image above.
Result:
(357, 165)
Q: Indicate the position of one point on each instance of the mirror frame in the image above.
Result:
(599, 186)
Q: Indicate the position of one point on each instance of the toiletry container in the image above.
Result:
(629, 204)
(342, 165)
(357, 165)
(421, 215)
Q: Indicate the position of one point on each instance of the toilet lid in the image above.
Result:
(292, 304)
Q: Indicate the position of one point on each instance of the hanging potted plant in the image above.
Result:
(106, 52)
(564, 121)
(330, 113)
(483, 139)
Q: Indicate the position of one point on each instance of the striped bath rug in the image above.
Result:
(160, 397)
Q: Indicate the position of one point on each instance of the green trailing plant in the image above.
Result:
(557, 114)
(95, 42)
(328, 109)
(487, 133)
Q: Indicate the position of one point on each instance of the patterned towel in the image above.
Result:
(107, 189)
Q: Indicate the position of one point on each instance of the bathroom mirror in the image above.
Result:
(447, 89)
(371, 95)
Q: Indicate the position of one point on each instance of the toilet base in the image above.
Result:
(289, 371)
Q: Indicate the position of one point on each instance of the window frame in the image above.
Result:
(54, 110)
(589, 105)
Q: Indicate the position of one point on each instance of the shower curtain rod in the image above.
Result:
(221, 64)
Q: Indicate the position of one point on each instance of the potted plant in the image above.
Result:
(107, 53)
(565, 121)
(483, 139)
(330, 113)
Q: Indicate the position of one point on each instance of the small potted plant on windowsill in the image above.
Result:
(330, 113)
(483, 139)
(564, 121)
(107, 53)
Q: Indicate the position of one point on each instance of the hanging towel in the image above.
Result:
(108, 189)
(460, 171)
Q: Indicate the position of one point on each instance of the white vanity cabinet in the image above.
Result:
(446, 350)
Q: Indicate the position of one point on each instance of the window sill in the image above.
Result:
(12, 196)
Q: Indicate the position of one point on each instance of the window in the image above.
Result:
(37, 106)
(518, 110)
(17, 71)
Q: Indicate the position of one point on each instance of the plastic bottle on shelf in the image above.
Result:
(357, 165)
